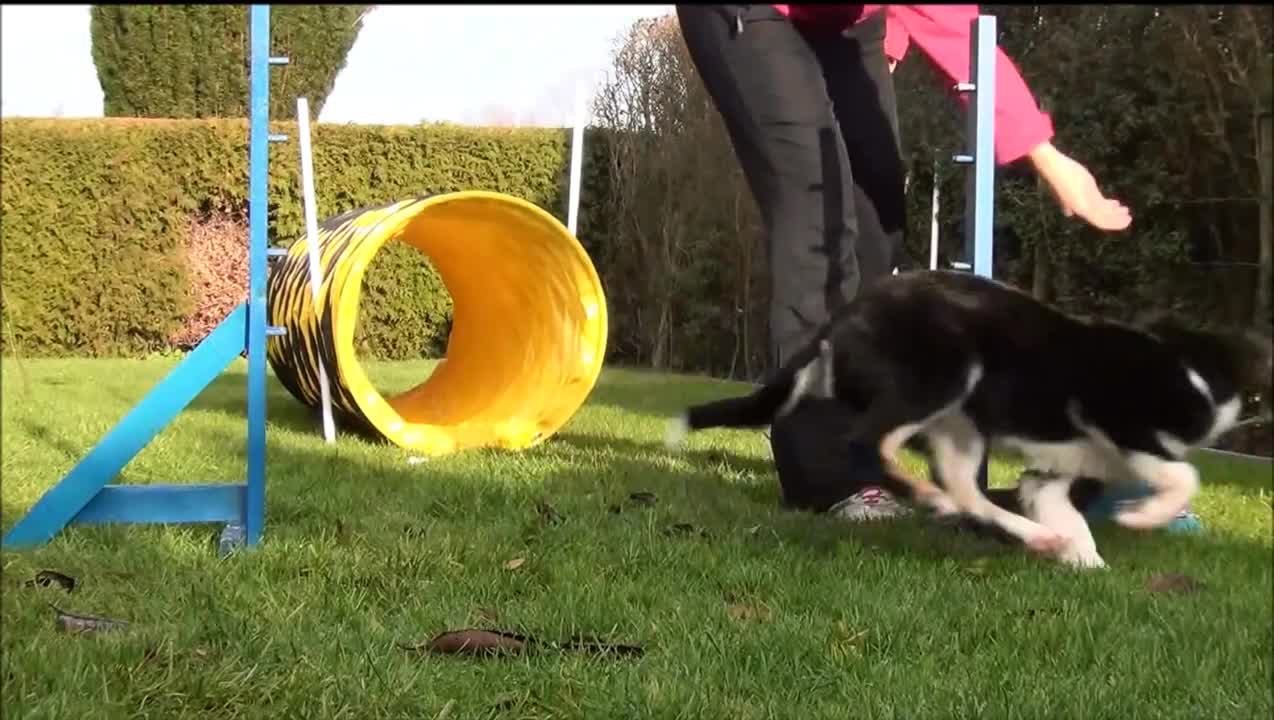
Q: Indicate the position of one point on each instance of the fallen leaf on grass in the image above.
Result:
(45, 578)
(637, 499)
(745, 613)
(548, 514)
(507, 701)
(846, 636)
(473, 641)
(1173, 583)
(515, 563)
(685, 529)
(72, 623)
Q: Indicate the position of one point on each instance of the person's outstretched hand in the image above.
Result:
(1076, 190)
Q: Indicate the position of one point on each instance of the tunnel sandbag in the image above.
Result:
(528, 329)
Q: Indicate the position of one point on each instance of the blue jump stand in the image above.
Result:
(979, 195)
(84, 496)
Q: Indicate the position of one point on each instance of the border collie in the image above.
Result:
(963, 362)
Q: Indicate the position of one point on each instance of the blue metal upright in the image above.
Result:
(979, 194)
(84, 496)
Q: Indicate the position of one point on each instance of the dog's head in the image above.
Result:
(1233, 362)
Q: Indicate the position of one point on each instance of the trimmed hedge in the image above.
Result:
(95, 211)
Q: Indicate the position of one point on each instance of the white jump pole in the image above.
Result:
(577, 158)
(933, 220)
(311, 230)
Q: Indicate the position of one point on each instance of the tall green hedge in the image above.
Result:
(191, 61)
(95, 211)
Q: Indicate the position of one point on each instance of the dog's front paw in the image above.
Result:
(1081, 558)
(1046, 542)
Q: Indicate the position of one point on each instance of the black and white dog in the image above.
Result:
(962, 361)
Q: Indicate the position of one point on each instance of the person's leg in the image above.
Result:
(766, 83)
(856, 74)
(862, 92)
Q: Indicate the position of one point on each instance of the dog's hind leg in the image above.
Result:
(957, 449)
(882, 425)
(1046, 500)
(920, 489)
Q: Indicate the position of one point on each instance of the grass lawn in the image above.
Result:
(772, 614)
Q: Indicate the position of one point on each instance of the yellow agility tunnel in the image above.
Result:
(528, 330)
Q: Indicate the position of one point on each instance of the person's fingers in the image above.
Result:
(1109, 215)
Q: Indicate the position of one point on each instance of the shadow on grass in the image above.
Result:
(228, 395)
(345, 494)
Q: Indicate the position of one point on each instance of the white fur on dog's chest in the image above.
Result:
(1077, 458)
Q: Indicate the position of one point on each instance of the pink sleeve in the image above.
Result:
(942, 34)
(895, 38)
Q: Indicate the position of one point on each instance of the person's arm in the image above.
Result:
(942, 32)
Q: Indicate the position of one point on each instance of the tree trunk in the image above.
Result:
(1265, 273)
(1042, 275)
(659, 353)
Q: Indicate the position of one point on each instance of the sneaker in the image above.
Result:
(870, 503)
(1185, 522)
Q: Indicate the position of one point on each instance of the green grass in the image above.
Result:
(364, 550)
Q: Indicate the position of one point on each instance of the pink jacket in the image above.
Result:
(942, 34)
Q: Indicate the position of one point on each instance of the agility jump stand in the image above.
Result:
(979, 193)
(83, 496)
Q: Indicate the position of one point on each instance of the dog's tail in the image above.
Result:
(759, 409)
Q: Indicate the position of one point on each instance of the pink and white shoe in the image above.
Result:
(870, 503)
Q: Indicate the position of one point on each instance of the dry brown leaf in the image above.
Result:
(1173, 583)
(72, 623)
(515, 563)
(45, 578)
(472, 642)
(745, 613)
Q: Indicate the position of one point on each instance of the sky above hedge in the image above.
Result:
(477, 64)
